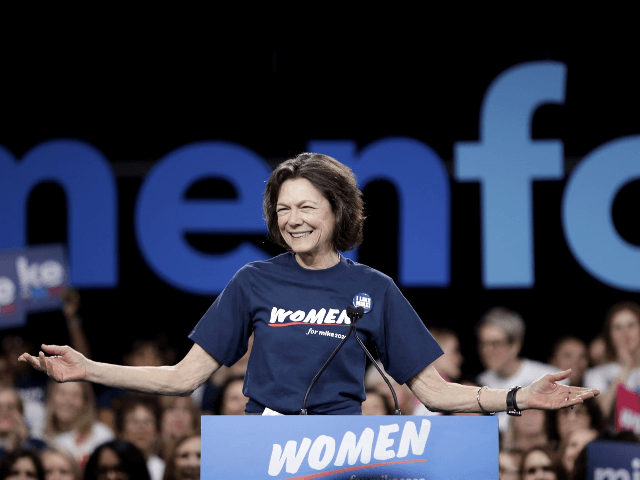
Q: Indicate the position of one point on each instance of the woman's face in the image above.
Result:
(625, 331)
(530, 423)
(67, 401)
(10, 417)
(577, 441)
(537, 466)
(139, 428)
(496, 352)
(56, 467)
(234, 400)
(177, 420)
(305, 218)
(23, 469)
(449, 364)
(568, 420)
(188, 460)
(109, 466)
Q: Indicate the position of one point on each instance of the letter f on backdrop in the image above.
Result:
(506, 161)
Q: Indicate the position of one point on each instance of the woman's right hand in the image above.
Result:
(64, 365)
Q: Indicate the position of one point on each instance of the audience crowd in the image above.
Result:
(78, 430)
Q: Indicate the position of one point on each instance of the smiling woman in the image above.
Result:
(314, 209)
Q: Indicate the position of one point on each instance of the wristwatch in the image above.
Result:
(512, 406)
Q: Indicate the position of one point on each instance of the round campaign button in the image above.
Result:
(363, 300)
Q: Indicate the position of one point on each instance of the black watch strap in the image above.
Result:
(512, 406)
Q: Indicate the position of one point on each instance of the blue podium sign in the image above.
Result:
(350, 447)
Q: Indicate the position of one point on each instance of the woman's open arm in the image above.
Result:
(545, 394)
(67, 365)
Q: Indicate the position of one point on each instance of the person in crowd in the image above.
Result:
(59, 465)
(598, 352)
(563, 422)
(71, 422)
(231, 400)
(528, 431)
(183, 462)
(21, 465)
(500, 335)
(449, 365)
(138, 422)
(212, 386)
(116, 460)
(509, 464)
(406, 400)
(314, 209)
(14, 432)
(571, 353)
(541, 463)
(180, 417)
(143, 353)
(375, 404)
(622, 339)
(573, 444)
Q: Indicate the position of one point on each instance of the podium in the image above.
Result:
(350, 447)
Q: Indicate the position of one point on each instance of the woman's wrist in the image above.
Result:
(522, 398)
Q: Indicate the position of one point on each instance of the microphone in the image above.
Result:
(354, 314)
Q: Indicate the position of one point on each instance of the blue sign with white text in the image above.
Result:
(350, 447)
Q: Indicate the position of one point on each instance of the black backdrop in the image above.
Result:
(137, 92)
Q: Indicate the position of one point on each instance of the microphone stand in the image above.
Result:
(354, 314)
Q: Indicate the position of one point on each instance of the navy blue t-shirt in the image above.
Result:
(299, 318)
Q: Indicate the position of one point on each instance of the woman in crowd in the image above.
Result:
(375, 404)
(183, 462)
(571, 447)
(528, 431)
(71, 422)
(180, 417)
(563, 422)
(314, 209)
(59, 465)
(509, 464)
(116, 460)
(138, 421)
(541, 463)
(622, 340)
(21, 465)
(231, 400)
(14, 433)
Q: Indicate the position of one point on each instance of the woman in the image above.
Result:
(314, 209)
(71, 422)
(21, 465)
(571, 447)
(540, 463)
(622, 340)
(528, 431)
(567, 420)
(183, 462)
(60, 465)
(116, 460)
(230, 400)
(180, 417)
(138, 421)
(14, 433)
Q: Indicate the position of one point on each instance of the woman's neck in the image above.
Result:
(318, 261)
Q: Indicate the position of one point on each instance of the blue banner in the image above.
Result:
(31, 280)
(608, 460)
(350, 447)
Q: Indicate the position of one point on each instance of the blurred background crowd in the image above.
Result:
(74, 430)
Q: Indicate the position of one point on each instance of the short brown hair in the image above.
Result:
(338, 185)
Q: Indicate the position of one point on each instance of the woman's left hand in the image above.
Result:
(546, 394)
